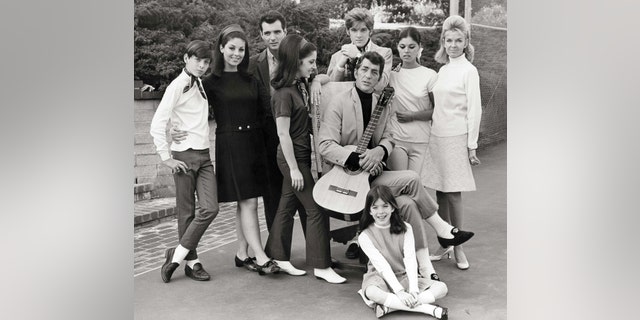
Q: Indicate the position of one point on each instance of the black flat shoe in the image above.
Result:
(444, 315)
(248, 263)
(197, 273)
(434, 277)
(268, 267)
(459, 237)
(353, 251)
(168, 267)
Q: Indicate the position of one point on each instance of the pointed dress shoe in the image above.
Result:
(459, 237)
(197, 273)
(168, 267)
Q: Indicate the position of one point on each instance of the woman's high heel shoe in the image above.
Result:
(459, 237)
(462, 263)
(268, 267)
(438, 257)
(248, 263)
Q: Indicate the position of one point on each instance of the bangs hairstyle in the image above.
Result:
(290, 52)
(359, 15)
(271, 17)
(455, 23)
(374, 58)
(218, 57)
(383, 193)
(199, 48)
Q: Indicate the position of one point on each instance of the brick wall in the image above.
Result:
(148, 168)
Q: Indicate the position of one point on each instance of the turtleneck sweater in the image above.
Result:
(457, 101)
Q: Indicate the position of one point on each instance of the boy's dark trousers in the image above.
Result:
(199, 178)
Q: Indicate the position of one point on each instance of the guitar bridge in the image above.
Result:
(343, 191)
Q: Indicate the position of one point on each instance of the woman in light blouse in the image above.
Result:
(412, 106)
(455, 127)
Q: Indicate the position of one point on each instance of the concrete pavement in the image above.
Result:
(235, 293)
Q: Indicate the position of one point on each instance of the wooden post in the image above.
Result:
(467, 10)
(453, 7)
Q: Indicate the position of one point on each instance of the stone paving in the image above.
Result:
(479, 293)
(150, 242)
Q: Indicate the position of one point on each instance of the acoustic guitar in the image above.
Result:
(345, 191)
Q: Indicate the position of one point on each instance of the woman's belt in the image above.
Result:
(237, 128)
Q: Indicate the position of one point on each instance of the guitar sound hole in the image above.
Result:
(352, 173)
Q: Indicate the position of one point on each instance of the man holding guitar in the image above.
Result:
(344, 123)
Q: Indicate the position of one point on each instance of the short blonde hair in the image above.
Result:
(455, 23)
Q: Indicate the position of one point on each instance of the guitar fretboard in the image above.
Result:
(373, 122)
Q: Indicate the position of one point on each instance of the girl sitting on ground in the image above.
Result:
(391, 282)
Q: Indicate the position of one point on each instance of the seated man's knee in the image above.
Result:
(412, 176)
(406, 206)
(411, 181)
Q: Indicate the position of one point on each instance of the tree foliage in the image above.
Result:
(492, 15)
(163, 28)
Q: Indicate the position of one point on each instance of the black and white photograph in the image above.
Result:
(320, 159)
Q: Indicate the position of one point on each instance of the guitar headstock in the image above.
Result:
(387, 94)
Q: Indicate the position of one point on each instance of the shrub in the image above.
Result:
(163, 28)
(429, 38)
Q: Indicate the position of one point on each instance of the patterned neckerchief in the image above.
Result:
(198, 83)
(301, 84)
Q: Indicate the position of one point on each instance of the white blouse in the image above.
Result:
(412, 87)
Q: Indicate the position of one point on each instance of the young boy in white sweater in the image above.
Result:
(185, 105)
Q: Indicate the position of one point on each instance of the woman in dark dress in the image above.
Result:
(239, 104)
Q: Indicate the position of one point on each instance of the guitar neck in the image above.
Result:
(368, 132)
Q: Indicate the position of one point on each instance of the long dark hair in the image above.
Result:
(292, 49)
(383, 193)
(232, 31)
(410, 32)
